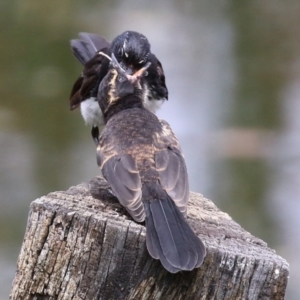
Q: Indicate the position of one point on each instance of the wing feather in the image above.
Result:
(122, 174)
(87, 84)
(173, 176)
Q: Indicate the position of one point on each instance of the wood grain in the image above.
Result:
(81, 244)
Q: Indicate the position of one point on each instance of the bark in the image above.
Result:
(81, 244)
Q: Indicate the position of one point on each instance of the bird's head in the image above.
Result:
(120, 90)
(132, 50)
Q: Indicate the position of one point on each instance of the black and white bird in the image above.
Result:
(141, 159)
(133, 52)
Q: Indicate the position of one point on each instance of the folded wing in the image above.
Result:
(122, 175)
(173, 176)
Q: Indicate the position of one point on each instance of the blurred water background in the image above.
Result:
(233, 73)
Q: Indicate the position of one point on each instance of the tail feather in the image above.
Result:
(153, 246)
(95, 42)
(170, 238)
(86, 47)
(193, 240)
(81, 51)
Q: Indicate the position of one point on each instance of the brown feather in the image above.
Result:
(141, 159)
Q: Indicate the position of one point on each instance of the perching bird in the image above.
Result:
(132, 50)
(141, 159)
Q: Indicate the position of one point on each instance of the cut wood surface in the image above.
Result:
(81, 244)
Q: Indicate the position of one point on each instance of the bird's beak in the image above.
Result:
(116, 64)
(132, 78)
(138, 74)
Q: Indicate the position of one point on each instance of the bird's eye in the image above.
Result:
(120, 52)
(141, 61)
(146, 73)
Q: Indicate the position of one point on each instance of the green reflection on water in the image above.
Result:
(260, 60)
(36, 67)
(35, 83)
(243, 194)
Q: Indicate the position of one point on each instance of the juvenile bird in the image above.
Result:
(133, 52)
(141, 159)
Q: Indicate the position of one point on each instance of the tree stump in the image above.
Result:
(81, 244)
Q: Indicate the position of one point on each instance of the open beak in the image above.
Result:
(139, 73)
(132, 78)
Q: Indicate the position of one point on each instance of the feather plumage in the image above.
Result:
(172, 236)
(150, 180)
(133, 51)
(141, 159)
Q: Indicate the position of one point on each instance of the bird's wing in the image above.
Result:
(122, 174)
(75, 96)
(87, 84)
(172, 170)
(173, 176)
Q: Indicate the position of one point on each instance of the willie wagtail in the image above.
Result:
(141, 159)
(133, 52)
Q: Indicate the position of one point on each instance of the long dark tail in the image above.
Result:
(86, 47)
(169, 237)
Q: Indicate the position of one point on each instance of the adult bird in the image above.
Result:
(133, 51)
(141, 159)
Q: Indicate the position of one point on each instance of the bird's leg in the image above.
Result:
(95, 134)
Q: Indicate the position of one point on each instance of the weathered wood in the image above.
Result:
(80, 247)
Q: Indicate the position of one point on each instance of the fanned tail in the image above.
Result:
(86, 47)
(169, 237)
